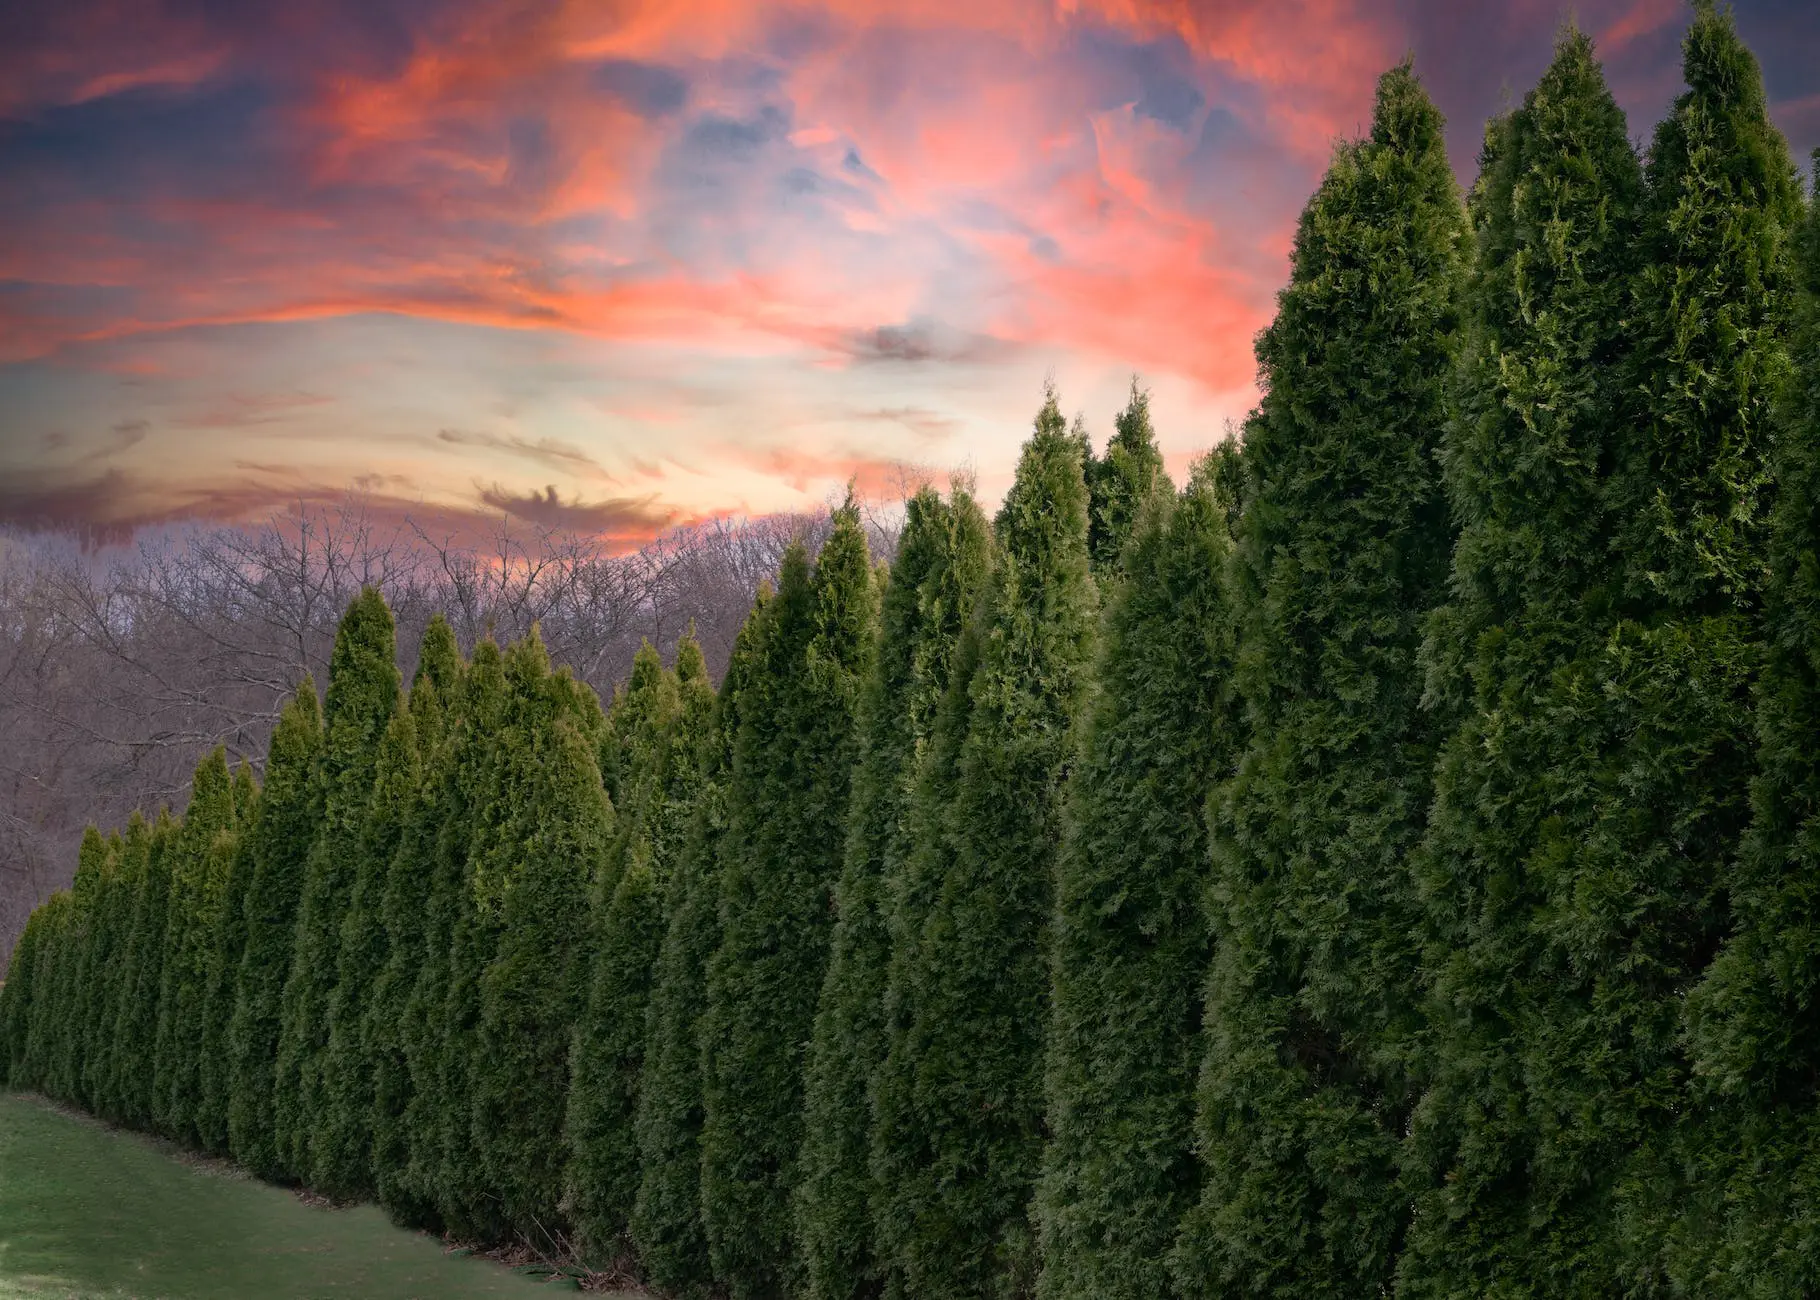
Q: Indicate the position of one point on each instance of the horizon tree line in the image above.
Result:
(1383, 865)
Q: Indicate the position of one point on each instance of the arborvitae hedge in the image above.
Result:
(362, 696)
(142, 969)
(666, 1223)
(786, 810)
(972, 1051)
(663, 718)
(1343, 543)
(202, 849)
(533, 987)
(941, 561)
(228, 947)
(1122, 481)
(276, 845)
(394, 1031)
(1754, 1019)
(1131, 942)
(105, 1041)
(95, 864)
(1526, 459)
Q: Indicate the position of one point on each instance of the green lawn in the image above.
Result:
(86, 1211)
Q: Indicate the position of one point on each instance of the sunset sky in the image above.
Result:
(616, 266)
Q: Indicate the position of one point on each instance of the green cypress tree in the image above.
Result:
(393, 1031)
(664, 718)
(224, 971)
(436, 1117)
(787, 804)
(666, 1225)
(16, 997)
(362, 696)
(104, 1084)
(1749, 1230)
(1131, 943)
(95, 991)
(1341, 548)
(978, 998)
(1120, 482)
(1526, 460)
(941, 560)
(200, 854)
(343, 1148)
(533, 987)
(44, 1012)
(136, 1028)
(276, 848)
(93, 866)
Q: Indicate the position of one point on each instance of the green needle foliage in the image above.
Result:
(102, 1067)
(229, 948)
(88, 992)
(794, 752)
(1343, 543)
(394, 1030)
(1751, 1020)
(1527, 460)
(362, 696)
(942, 556)
(19, 999)
(1131, 943)
(275, 846)
(533, 988)
(203, 847)
(343, 1146)
(666, 1222)
(977, 1000)
(142, 971)
(664, 718)
(1122, 481)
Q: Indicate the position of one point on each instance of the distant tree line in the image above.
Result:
(1385, 865)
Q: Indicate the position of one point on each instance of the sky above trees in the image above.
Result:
(616, 267)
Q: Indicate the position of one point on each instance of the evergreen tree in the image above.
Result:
(394, 1031)
(532, 990)
(941, 560)
(1750, 1227)
(972, 1050)
(136, 1024)
(1131, 944)
(123, 895)
(343, 1147)
(49, 984)
(1120, 482)
(1526, 459)
(93, 867)
(229, 947)
(666, 1225)
(1342, 545)
(201, 849)
(18, 997)
(362, 696)
(786, 805)
(276, 846)
(664, 718)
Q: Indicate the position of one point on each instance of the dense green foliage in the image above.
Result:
(969, 1061)
(1341, 547)
(787, 798)
(1131, 946)
(1385, 867)
(928, 600)
(276, 846)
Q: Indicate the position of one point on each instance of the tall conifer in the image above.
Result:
(663, 717)
(531, 992)
(787, 803)
(123, 899)
(666, 1222)
(1342, 545)
(201, 850)
(394, 1027)
(362, 696)
(1526, 460)
(1131, 944)
(136, 1025)
(276, 846)
(1122, 481)
(977, 1014)
(95, 864)
(228, 946)
(941, 561)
